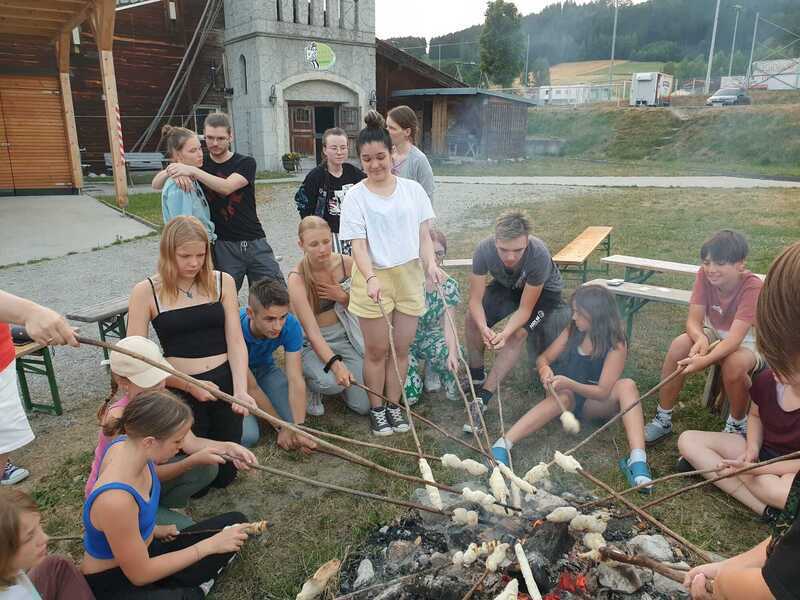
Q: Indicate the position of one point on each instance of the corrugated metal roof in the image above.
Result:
(467, 91)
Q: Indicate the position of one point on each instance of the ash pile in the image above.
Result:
(427, 556)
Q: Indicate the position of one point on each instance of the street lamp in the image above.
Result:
(738, 8)
(707, 87)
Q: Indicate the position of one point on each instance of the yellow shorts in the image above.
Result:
(402, 289)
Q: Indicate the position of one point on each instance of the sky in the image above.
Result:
(430, 18)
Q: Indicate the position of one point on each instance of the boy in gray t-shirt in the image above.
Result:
(526, 285)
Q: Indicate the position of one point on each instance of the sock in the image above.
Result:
(503, 443)
(477, 373)
(739, 423)
(637, 455)
(485, 395)
(664, 416)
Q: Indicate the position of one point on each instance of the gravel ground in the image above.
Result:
(70, 282)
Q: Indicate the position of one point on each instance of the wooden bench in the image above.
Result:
(639, 270)
(109, 316)
(138, 161)
(574, 257)
(35, 359)
(574, 254)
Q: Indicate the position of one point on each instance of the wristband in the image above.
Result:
(370, 277)
(333, 359)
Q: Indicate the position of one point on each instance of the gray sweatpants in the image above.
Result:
(325, 383)
(253, 258)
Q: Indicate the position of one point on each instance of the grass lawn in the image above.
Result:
(308, 526)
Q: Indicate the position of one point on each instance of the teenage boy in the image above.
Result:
(267, 325)
(526, 285)
(770, 569)
(722, 307)
(228, 180)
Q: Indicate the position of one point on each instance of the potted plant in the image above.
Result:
(291, 161)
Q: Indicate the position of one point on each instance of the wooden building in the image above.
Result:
(469, 122)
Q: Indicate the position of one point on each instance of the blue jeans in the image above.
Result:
(272, 381)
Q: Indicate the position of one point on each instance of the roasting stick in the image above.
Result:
(400, 379)
(621, 414)
(475, 587)
(347, 440)
(254, 528)
(487, 452)
(609, 553)
(275, 421)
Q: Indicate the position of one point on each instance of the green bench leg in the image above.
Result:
(113, 327)
(39, 363)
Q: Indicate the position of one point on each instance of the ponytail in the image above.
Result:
(157, 414)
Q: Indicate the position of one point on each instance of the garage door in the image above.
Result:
(34, 154)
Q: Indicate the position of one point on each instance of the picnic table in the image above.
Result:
(639, 270)
(33, 358)
(109, 316)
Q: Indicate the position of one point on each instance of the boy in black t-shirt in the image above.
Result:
(228, 180)
(325, 186)
(770, 569)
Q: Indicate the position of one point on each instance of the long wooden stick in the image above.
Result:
(422, 419)
(386, 584)
(346, 490)
(649, 518)
(262, 525)
(347, 440)
(450, 321)
(401, 381)
(636, 488)
(609, 553)
(503, 426)
(274, 421)
(733, 473)
(475, 587)
(621, 414)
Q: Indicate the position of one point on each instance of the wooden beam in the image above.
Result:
(102, 21)
(439, 126)
(63, 49)
(78, 18)
(33, 16)
(47, 34)
(43, 6)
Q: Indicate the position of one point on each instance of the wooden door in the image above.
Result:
(301, 129)
(35, 132)
(6, 179)
(350, 121)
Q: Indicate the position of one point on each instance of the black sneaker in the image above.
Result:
(478, 376)
(397, 420)
(770, 515)
(683, 466)
(379, 422)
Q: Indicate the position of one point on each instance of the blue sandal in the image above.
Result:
(634, 470)
(500, 455)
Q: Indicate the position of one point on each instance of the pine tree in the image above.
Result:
(501, 43)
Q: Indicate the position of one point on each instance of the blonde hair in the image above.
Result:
(13, 504)
(182, 230)
(175, 139)
(312, 293)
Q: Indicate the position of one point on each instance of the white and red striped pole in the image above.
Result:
(119, 134)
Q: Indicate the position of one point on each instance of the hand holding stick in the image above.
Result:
(568, 420)
(668, 571)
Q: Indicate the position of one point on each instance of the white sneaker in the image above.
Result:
(315, 407)
(432, 381)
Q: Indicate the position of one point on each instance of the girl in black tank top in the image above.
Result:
(195, 313)
(587, 362)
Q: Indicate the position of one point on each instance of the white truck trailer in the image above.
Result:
(651, 89)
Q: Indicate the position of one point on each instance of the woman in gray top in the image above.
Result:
(409, 161)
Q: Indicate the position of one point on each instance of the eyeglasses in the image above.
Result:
(440, 253)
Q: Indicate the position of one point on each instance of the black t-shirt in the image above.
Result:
(780, 569)
(322, 187)
(235, 218)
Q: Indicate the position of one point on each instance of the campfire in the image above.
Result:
(427, 556)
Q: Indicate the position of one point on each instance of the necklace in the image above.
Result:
(187, 292)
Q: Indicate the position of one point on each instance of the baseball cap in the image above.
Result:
(140, 373)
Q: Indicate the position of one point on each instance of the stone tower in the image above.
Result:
(297, 68)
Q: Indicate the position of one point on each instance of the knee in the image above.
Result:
(680, 346)
(626, 391)
(519, 336)
(375, 354)
(689, 442)
(734, 370)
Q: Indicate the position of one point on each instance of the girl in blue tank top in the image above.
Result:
(587, 362)
(125, 551)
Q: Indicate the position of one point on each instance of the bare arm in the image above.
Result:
(697, 361)
(139, 311)
(237, 349)
(550, 354)
(221, 185)
(159, 180)
(737, 578)
(477, 289)
(694, 322)
(305, 314)
(519, 318)
(45, 326)
(297, 386)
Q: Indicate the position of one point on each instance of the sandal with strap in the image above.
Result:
(500, 455)
(634, 470)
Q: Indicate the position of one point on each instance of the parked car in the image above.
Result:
(729, 96)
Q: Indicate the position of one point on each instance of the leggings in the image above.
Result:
(215, 420)
(183, 585)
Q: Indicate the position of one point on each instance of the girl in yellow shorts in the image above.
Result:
(387, 218)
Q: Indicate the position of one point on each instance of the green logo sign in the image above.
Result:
(320, 56)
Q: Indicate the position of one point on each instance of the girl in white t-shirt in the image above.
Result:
(26, 572)
(387, 218)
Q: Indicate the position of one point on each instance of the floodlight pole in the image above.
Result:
(733, 43)
(752, 50)
(613, 49)
(707, 86)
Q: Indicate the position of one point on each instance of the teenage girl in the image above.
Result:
(319, 289)
(190, 472)
(325, 186)
(126, 553)
(587, 361)
(195, 312)
(388, 220)
(26, 572)
(183, 146)
(408, 160)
